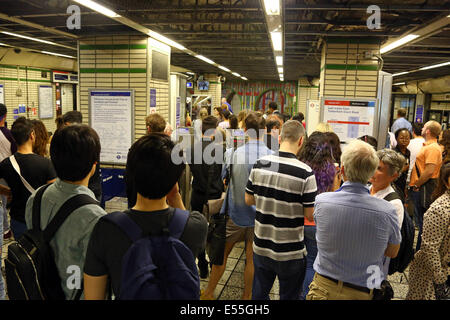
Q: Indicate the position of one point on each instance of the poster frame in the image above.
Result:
(132, 124)
(4, 98)
(375, 126)
(39, 102)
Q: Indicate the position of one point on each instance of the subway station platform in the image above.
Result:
(231, 285)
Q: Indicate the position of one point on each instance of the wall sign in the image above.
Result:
(350, 118)
(45, 102)
(112, 116)
(2, 93)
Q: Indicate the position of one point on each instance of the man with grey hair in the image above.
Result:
(283, 189)
(354, 232)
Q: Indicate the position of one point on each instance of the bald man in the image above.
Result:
(425, 173)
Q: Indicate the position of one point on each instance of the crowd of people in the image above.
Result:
(326, 219)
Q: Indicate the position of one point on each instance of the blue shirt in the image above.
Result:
(353, 232)
(229, 106)
(401, 123)
(243, 160)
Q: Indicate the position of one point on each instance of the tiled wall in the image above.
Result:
(30, 80)
(306, 91)
(440, 101)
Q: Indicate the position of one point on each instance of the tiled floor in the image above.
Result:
(231, 285)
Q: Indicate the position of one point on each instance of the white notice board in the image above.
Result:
(111, 114)
(350, 118)
(45, 102)
(312, 116)
(2, 93)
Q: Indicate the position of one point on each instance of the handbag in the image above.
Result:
(384, 293)
(426, 190)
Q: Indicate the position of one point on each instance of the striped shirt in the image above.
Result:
(282, 187)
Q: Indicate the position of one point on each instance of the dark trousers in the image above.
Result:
(290, 277)
(197, 202)
(418, 215)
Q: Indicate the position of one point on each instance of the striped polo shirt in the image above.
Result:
(282, 186)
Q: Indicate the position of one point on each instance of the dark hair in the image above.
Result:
(21, 130)
(299, 117)
(401, 112)
(155, 122)
(74, 149)
(220, 111)
(255, 121)
(417, 128)
(150, 168)
(73, 117)
(396, 134)
(370, 140)
(445, 142)
(273, 105)
(272, 123)
(226, 114)
(443, 179)
(3, 110)
(40, 145)
(335, 144)
(59, 121)
(316, 152)
(209, 122)
(233, 122)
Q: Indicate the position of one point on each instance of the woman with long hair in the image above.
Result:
(317, 153)
(444, 141)
(241, 117)
(40, 146)
(428, 272)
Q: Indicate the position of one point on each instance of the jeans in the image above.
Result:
(418, 215)
(311, 248)
(290, 277)
(18, 228)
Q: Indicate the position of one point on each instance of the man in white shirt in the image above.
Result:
(414, 146)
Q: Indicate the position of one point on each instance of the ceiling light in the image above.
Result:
(224, 68)
(398, 43)
(236, 74)
(399, 83)
(36, 39)
(161, 38)
(400, 73)
(280, 70)
(279, 60)
(272, 7)
(158, 44)
(4, 44)
(436, 66)
(277, 40)
(98, 7)
(204, 59)
(244, 78)
(58, 54)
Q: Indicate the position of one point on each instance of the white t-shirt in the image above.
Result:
(414, 147)
(224, 125)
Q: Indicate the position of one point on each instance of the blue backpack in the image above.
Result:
(157, 267)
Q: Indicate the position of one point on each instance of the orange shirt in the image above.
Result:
(431, 152)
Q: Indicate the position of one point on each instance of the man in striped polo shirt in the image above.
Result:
(283, 190)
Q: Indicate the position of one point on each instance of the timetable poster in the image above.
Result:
(45, 102)
(111, 115)
(350, 118)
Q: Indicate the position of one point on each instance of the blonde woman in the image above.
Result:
(324, 127)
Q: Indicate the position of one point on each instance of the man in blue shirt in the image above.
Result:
(401, 122)
(354, 232)
(240, 225)
(224, 101)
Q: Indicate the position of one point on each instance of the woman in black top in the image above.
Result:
(403, 136)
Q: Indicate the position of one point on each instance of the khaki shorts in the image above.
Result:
(235, 233)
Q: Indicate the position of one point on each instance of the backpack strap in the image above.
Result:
(125, 223)
(63, 213)
(178, 223)
(392, 196)
(36, 212)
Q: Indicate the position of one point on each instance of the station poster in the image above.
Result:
(112, 117)
(2, 93)
(45, 98)
(350, 118)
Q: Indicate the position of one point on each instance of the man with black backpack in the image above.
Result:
(60, 218)
(156, 235)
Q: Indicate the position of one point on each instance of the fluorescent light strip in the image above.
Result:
(279, 60)
(225, 69)
(398, 43)
(236, 74)
(58, 54)
(167, 41)
(35, 39)
(277, 40)
(98, 7)
(436, 66)
(244, 78)
(280, 70)
(272, 7)
(199, 56)
(399, 83)
(400, 73)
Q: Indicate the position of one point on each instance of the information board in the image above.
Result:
(45, 102)
(312, 116)
(350, 118)
(2, 93)
(111, 114)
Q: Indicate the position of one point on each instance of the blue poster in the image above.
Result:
(152, 98)
(419, 113)
(22, 109)
(15, 111)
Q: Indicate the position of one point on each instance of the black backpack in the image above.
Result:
(406, 251)
(31, 272)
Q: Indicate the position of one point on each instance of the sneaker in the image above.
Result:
(7, 235)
